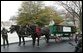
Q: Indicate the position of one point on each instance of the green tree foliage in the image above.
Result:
(27, 12)
(32, 11)
(46, 14)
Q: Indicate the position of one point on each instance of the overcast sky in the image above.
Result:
(10, 8)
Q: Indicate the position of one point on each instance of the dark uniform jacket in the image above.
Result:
(4, 32)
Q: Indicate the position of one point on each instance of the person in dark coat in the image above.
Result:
(77, 37)
(78, 48)
(5, 36)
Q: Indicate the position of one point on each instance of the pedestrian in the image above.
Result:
(78, 48)
(4, 36)
(76, 38)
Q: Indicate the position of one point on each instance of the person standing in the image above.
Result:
(5, 36)
(76, 37)
(78, 48)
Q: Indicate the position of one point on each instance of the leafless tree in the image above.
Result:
(74, 8)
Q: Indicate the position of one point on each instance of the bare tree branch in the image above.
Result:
(69, 9)
(74, 8)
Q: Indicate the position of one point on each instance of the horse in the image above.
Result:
(44, 31)
(30, 30)
(20, 32)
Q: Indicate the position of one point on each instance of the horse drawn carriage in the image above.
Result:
(61, 31)
(47, 31)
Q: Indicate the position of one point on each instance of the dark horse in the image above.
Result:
(44, 31)
(30, 30)
(20, 32)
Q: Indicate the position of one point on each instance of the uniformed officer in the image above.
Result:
(5, 36)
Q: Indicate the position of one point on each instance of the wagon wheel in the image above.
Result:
(59, 39)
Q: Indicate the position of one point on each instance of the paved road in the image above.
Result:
(63, 46)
